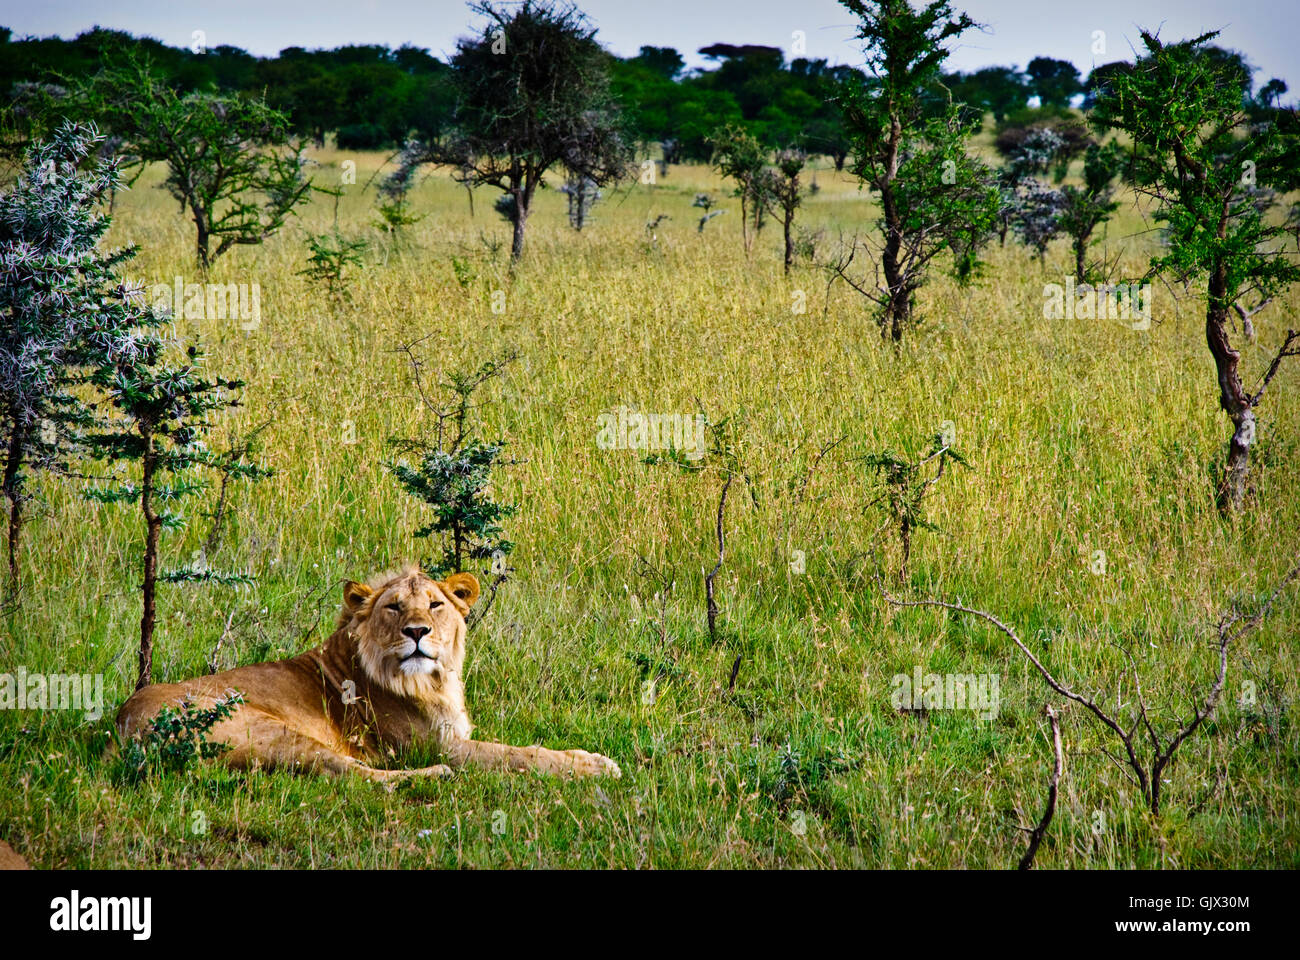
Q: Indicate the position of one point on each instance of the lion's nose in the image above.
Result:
(415, 632)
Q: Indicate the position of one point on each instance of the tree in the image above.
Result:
(229, 160)
(454, 474)
(1054, 82)
(533, 93)
(784, 194)
(738, 156)
(583, 194)
(1271, 93)
(1197, 152)
(1037, 214)
(164, 418)
(1086, 208)
(664, 61)
(61, 301)
(933, 195)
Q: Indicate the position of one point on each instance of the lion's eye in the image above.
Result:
(395, 607)
(435, 605)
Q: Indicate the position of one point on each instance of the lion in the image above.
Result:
(388, 676)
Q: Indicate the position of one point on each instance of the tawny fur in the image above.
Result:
(374, 687)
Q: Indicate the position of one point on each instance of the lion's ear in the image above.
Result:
(463, 586)
(354, 595)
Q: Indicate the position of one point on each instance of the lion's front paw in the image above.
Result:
(593, 765)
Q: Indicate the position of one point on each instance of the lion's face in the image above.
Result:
(410, 628)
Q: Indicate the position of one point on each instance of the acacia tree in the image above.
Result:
(230, 162)
(784, 193)
(1199, 154)
(60, 299)
(933, 195)
(1086, 208)
(165, 410)
(532, 93)
(738, 156)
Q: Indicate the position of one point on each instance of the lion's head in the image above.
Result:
(410, 628)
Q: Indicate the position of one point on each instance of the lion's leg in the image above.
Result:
(261, 740)
(501, 756)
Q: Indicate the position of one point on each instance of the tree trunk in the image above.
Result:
(905, 528)
(1232, 396)
(744, 218)
(153, 529)
(12, 486)
(201, 243)
(517, 236)
(1080, 251)
(789, 242)
(898, 308)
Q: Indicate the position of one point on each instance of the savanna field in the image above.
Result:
(1081, 436)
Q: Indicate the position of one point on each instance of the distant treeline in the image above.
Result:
(373, 97)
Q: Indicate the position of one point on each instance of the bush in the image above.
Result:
(175, 738)
(362, 136)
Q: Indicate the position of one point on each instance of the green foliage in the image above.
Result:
(934, 196)
(164, 416)
(903, 483)
(537, 59)
(1086, 208)
(1198, 153)
(230, 162)
(738, 156)
(1053, 81)
(331, 254)
(804, 771)
(175, 739)
(457, 486)
(63, 305)
(454, 476)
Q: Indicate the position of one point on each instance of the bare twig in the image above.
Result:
(1283, 351)
(712, 608)
(1147, 771)
(1036, 835)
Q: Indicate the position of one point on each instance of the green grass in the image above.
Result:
(1082, 435)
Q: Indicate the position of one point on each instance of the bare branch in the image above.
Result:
(1036, 835)
(1283, 351)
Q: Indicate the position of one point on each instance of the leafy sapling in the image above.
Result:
(164, 414)
(331, 255)
(454, 476)
(904, 484)
(784, 194)
(738, 156)
(726, 452)
(1086, 208)
(175, 738)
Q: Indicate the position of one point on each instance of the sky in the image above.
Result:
(1016, 31)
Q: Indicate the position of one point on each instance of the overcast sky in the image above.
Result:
(1268, 31)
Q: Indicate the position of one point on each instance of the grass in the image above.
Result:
(1082, 436)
